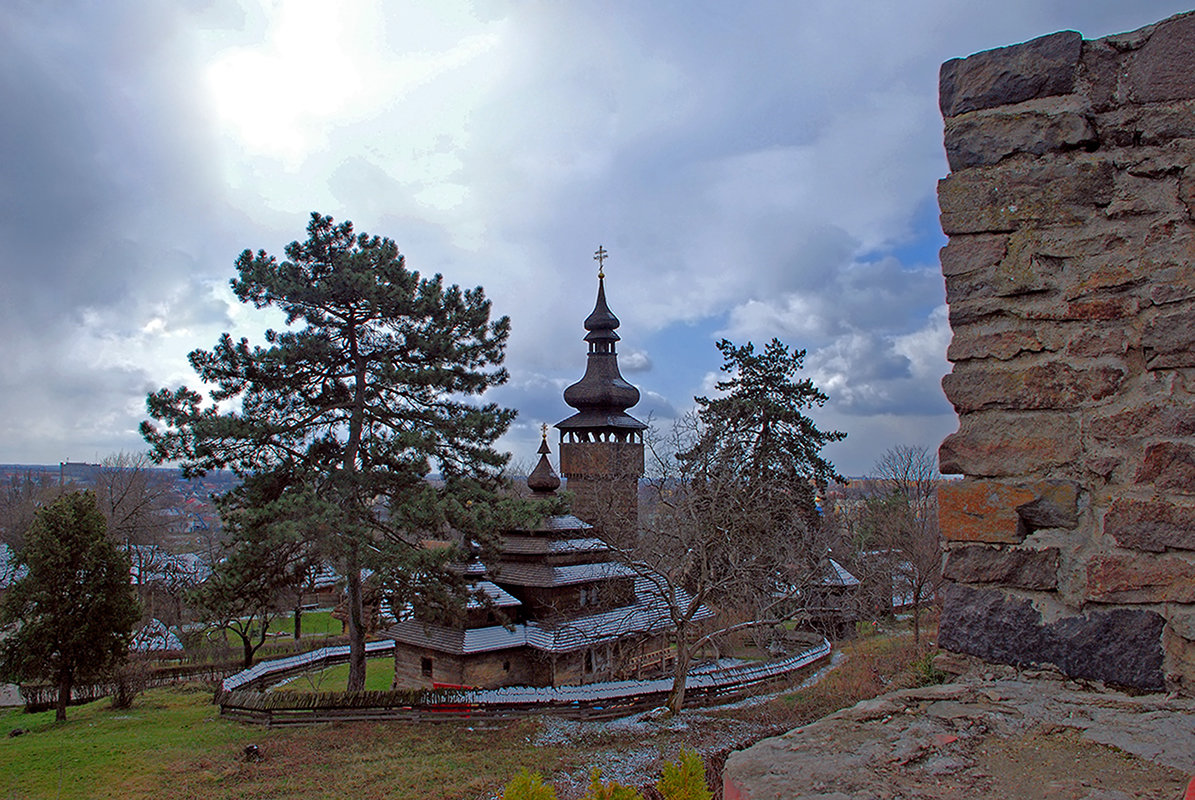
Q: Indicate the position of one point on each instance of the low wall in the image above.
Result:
(1070, 279)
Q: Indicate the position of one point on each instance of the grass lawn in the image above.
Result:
(379, 675)
(315, 623)
(173, 745)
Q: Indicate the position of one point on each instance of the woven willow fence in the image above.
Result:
(242, 697)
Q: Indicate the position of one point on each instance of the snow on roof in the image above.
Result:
(538, 545)
(543, 575)
(455, 640)
(155, 636)
(837, 575)
(152, 563)
(561, 522)
(324, 578)
(497, 595)
(648, 614)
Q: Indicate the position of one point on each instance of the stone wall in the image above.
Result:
(1071, 284)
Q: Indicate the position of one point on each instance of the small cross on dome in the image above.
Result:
(600, 256)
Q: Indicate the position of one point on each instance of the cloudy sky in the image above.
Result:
(755, 169)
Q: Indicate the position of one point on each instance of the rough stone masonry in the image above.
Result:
(1070, 276)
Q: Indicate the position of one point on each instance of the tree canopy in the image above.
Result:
(370, 387)
(756, 432)
(75, 603)
(734, 520)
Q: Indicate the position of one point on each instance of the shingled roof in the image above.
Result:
(648, 614)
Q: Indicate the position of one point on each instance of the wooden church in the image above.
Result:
(563, 609)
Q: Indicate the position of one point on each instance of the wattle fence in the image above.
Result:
(241, 696)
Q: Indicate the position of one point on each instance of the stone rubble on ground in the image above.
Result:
(930, 742)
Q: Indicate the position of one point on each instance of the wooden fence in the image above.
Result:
(589, 701)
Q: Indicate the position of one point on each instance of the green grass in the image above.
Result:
(100, 752)
(315, 623)
(379, 676)
(172, 744)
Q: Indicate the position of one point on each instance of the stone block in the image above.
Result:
(1055, 505)
(1154, 525)
(1180, 662)
(1050, 385)
(1022, 271)
(1186, 191)
(1161, 69)
(1091, 341)
(1135, 578)
(1042, 67)
(981, 140)
(963, 254)
(1172, 284)
(1104, 278)
(1101, 309)
(1000, 199)
(1138, 196)
(1099, 71)
(1118, 646)
(967, 343)
(981, 511)
(997, 444)
(1146, 126)
(1169, 341)
(1146, 420)
(1169, 466)
(1181, 620)
(1021, 567)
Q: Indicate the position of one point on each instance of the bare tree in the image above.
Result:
(20, 497)
(723, 557)
(135, 500)
(902, 515)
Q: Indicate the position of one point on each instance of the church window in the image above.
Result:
(425, 664)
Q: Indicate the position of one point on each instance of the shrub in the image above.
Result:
(528, 786)
(608, 791)
(925, 672)
(685, 779)
(127, 680)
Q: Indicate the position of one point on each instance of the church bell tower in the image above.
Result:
(601, 446)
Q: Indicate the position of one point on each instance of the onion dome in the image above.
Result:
(543, 480)
(602, 396)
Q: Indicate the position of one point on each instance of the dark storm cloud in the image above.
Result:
(99, 156)
(105, 213)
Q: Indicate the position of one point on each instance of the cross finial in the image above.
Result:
(600, 257)
(543, 429)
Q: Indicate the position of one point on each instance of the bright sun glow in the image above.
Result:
(317, 67)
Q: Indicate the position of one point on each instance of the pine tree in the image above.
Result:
(736, 523)
(358, 400)
(75, 603)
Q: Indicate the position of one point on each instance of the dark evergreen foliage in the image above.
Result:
(74, 606)
(351, 407)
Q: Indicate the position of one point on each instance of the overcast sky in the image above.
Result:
(754, 169)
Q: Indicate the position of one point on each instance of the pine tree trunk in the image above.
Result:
(64, 695)
(356, 620)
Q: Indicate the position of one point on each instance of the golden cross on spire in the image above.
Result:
(600, 257)
(543, 429)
